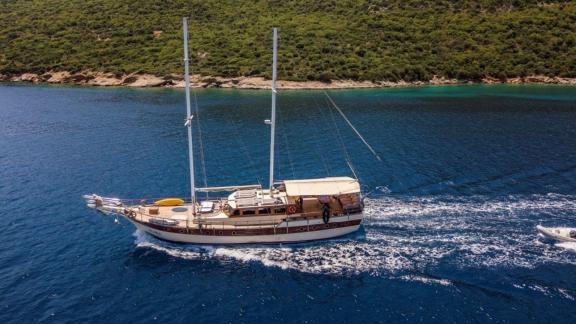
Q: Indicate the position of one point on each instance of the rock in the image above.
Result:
(177, 84)
(261, 83)
(212, 82)
(144, 80)
(490, 80)
(257, 83)
(537, 79)
(26, 77)
(44, 77)
(104, 80)
(177, 81)
(157, 33)
(93, 78)
(174, 77)
(436, 80)
(79, 78)
(130, 79)
(67, 77)
(565, 81)
(542, 79)
(514, 81)
(57, 77)
(394, 84)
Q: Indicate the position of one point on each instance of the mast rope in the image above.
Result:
(200, 141)
(344, 149)
(318, 148)
(243, 145)
(352, 126)
(281, 126)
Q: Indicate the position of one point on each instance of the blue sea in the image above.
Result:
(467, 172)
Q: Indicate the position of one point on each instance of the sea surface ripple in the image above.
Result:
(449, 234)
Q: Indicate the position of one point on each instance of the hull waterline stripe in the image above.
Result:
(249, 232)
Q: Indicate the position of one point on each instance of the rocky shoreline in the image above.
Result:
(103, 79)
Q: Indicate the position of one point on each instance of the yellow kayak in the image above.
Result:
(169, 202)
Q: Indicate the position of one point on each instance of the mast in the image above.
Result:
(273, 119)
(188, 111)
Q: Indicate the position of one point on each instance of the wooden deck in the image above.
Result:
(182, 216)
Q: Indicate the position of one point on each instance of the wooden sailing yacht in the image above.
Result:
(287, 211)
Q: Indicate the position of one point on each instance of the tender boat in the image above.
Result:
(287, 211)
(563, 234)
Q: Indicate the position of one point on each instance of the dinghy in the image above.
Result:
(563, 234)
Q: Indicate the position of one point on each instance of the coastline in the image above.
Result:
(140, 80)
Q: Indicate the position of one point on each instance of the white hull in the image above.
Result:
(560, 234)
(304, 236)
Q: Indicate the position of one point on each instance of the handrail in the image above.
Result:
(245, 222)
(299, 216)
(212, 224)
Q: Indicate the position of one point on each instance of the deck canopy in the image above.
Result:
(322, 187)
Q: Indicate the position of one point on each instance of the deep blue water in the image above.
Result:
(467, 173)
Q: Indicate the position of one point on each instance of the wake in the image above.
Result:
(404, 236)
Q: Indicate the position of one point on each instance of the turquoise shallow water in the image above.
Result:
(467, 174)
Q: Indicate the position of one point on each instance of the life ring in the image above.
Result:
(291, 209)
(131, 214)
(326, 215)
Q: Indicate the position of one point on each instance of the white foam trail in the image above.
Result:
(191, 252)
(383, 208)
(567, 245)
(565, 294)
(426, 280)
(403, 236)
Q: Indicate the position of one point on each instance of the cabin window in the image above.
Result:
(263, 211)
(236, 212)
(280, 210)
(249, 212)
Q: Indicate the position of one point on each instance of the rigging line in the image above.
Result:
(352, 126)
(289, 155)
(243, 146)
(338, 135)
(201, 142)
(281, 126)
(344, 149)
(318, 148)
(352, 169)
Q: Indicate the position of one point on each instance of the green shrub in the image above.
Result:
(319, 39)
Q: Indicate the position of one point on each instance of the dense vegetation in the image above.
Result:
(319, 39)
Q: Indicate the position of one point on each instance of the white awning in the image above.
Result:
(322, 186)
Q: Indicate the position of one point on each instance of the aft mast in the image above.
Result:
(189, 113)
(273, 119)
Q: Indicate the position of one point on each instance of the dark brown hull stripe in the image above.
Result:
(250, 231)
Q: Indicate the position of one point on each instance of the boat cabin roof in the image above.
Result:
(252, 198)
(332, 186)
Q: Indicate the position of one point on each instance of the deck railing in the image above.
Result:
(210, 224)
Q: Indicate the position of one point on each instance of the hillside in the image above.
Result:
(319, 39)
